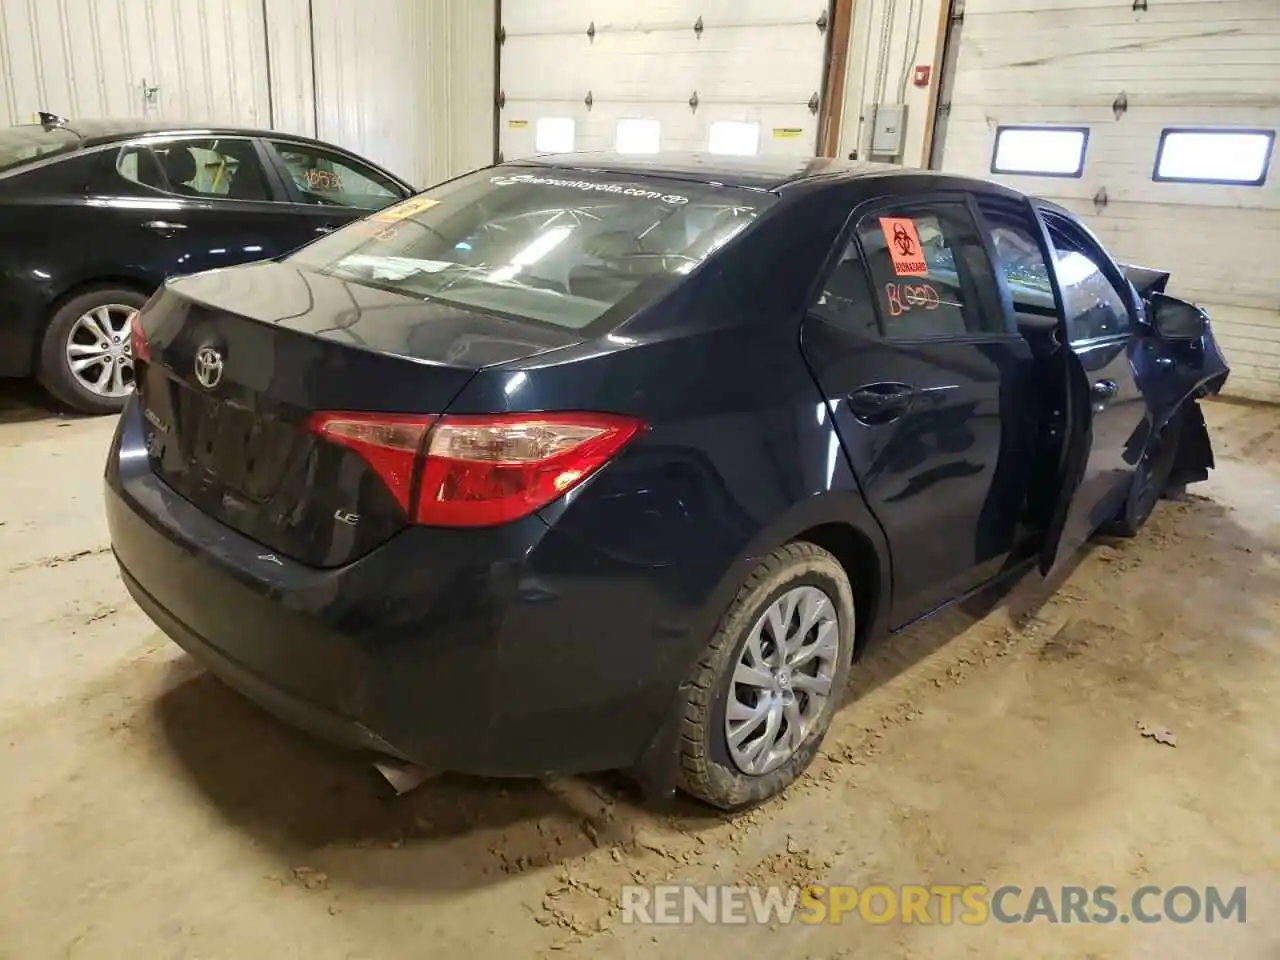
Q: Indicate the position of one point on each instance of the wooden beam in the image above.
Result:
(833, 108)
(935, 79)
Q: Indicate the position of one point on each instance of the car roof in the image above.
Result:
(95, 131)
(771, 173)
(760, 173)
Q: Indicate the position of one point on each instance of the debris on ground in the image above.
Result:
(311, 878)
(1158, 733)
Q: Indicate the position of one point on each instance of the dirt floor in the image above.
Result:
(148, 811)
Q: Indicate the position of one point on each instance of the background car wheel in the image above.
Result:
(85, 358)
(1150, 480)
(762, 696)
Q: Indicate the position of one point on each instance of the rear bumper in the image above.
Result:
(496, 652)
(297, 711)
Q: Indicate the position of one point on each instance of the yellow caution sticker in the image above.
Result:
(787, 133)
(405, 210)
(517, 124)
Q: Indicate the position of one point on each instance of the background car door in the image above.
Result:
(932, 391)
(192, 203)
(328, 189)
(1110, 411)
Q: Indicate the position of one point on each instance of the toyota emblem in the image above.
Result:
(208, 367)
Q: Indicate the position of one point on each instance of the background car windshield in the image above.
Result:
(561, 247)
(22, 144)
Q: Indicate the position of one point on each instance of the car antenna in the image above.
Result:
(51, 120)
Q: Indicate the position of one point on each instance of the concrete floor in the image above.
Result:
(150, 812)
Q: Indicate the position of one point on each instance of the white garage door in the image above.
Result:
(731, 75)
(1128, 75)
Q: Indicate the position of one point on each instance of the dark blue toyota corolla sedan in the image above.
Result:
(587, 463)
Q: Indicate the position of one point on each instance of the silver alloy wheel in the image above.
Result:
(782, 683)
(99, 353)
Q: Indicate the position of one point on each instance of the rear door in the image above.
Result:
(932, 391)
(1109, 414)
(328, 189)
(186, 204)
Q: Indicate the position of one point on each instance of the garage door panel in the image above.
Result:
(755, 61)
(1139, 191)
(1249, 338)
(998, 88)
(570, 16)
(1187, 64)
(1046, 6)
(1098, 115)
(1050, 28)
(780, 133)
(623, 65)
(1244, 46)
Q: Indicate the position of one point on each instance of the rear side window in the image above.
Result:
(930, 273)
(562, 247)
(846, 300)
(225, 168)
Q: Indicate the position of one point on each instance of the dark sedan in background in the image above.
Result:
(592, 462)
(95, 215)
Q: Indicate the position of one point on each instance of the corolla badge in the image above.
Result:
(208, 367)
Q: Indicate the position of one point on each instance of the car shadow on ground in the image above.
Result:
(290, 792)
(305, 801)
(25, 401)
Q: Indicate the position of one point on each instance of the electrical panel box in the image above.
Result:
(888, 129)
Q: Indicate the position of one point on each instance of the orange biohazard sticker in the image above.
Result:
(904, 247)
(405, 210)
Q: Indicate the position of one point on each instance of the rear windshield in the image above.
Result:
(20, 145)
(560, 247)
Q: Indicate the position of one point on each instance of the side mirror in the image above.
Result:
(1176, 319)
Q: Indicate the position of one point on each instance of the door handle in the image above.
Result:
(164, 226)
(881, 402)
(1105, 389)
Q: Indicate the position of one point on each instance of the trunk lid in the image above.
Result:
(241, 358)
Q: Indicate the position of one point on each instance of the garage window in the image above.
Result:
(1040, 151)
(638, 136)
(554, 135)
(734, 138)
(1238, 157)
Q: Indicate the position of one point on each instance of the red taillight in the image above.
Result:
(138, 346)
(487, 470)
(480, 471)
(388, 442)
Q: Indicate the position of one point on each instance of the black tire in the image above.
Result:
(53, 369)
(1150, 480)
(706, 769)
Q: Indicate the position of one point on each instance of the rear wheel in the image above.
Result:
(1150, 480)
(85, 358)
(762, 696)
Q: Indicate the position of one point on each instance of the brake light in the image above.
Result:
(487, 470)
(388, 442)
(480, 471)
(139, 349)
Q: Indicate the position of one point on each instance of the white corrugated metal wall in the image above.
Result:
(91, 58)
(1179, 63)
(408, 83)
